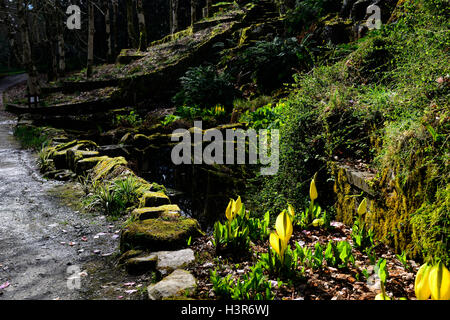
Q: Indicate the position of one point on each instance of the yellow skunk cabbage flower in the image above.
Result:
(313, 191)
(362, 209)
(237, 206)
(291, 212)
(318, 222)
(284, 227)
(439, 282)
(421, 287)
(229, 211)
(276, 244)
(381, 296)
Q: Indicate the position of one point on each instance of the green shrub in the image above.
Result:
(204, 86)
(128, 120)
(307, 12)
(269, 64)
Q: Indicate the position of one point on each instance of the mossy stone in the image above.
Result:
(104, 167)
(154, 212)
(157, 234)
(86, 164)
(153, 199)
(140, 265)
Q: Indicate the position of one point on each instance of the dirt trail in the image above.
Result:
(36, 227)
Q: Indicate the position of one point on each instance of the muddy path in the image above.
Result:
(40, 234)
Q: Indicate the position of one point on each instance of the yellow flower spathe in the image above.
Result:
(421, 287)
(439, 282)
(313, 191)
(229, 210)
(362, 209)
(275, 243)
(284, 227)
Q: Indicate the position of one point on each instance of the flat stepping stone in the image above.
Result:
(155, 212)
(163, 261)
(177, 284)
(158, 234)
(169, 261)
(153, 199)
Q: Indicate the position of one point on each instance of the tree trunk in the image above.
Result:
(115, 7)
(142, 28)
(193, 12)
(90, 59)
(60, 26)
(51, 21)
(33, 81)
(109, 54)
(174, 16)
(7, 20)
(132, 42)
(208, 8)
(61, 53)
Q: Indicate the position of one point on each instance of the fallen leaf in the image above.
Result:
(130, 291)
(5, 285)
(129, 284)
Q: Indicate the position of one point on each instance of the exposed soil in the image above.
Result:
(327, 283)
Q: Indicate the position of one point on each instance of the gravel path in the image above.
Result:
(40, 236)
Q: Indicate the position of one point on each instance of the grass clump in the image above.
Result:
(31, 137)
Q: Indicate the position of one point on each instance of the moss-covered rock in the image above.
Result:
(154, 212)
(128, 255)
(60, 156)
(83, 165)
(179, 283)
(157, 234)
(106, 166)
(73, 156)
(153, 199)
(127, 56)
(140, 265)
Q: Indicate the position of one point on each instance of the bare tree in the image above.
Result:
(142, 27)
(107, 11)
(12, 28)
(115, 11)
(27, 60)
(193, 11)
(173, 16)
(130, 23)
(90, 59)
(208, 7)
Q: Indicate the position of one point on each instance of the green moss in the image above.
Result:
(157, 234)
(153, 199)
(154, 212)
(74, 156)
(371, 61)
(173, 37)
(83, 165)
(104, 167)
